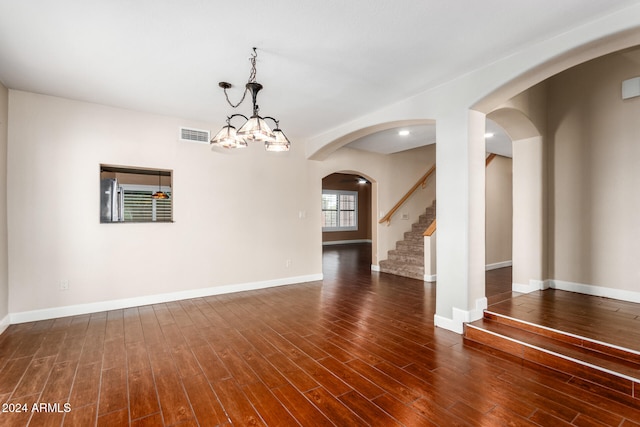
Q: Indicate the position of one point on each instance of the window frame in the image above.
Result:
(339, 227)
(123, 188)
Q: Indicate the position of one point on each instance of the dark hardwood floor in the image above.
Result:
(359, 348)
(598, 318)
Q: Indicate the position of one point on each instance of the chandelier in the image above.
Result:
(255, 128)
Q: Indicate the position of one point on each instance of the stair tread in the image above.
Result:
(586, 355)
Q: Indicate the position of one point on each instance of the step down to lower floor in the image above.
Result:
(607, 365)
(400, 268)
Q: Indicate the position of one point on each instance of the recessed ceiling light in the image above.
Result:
(488, 135)
(403, 133)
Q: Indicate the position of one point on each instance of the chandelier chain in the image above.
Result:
(252, 75)
(241, 100)
(252, 79)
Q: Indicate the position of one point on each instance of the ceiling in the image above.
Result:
(322, 63)
(405, 138)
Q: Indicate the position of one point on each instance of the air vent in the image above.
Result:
(194, 135)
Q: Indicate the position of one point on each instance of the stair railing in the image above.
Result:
(422, 182)
(432, 227)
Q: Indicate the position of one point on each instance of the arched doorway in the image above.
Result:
(499, 213)
(529, 207)
(346, 209)
(346, 218)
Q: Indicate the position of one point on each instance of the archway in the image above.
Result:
(529, 209)
(318, 150)
(348, 210)
(455, 106)
(498, 213)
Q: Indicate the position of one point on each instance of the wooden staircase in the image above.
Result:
(407, 259)
(615, 369)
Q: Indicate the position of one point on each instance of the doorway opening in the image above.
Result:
(346, 214)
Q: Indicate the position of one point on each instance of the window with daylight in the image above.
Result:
(135, 195)
(339, 210)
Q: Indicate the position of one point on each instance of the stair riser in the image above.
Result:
(553, 361)
(419, 228)
(394, 265)
(559, 336)
(407, 259)
(426, 219)
(413, 236)
(391, 264)
(402, 252)
(403, 273)
(407, 245)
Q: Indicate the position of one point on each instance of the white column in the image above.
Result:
(529, 213)
(460, 183)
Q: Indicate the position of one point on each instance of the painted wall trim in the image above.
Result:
(74, 310)
(532, 286)
(375, 267)
(460, 317)
(497, 265)
(598, 291)
(345, 242)
(434, 277)
(448, 324)
(4, 323)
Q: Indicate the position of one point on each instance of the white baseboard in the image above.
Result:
(599, 291)
(534, 285)
(434, 277)
(345, 242)
(448, 324)
(375, 267)
(582, 288)
(497, 265)
(460, 317)
(524, 289)
(4, 323)
(95, 307)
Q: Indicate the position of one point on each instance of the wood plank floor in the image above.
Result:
(598, 318)
(357, 349)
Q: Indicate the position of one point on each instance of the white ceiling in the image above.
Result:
(391, 141)
(322, 63)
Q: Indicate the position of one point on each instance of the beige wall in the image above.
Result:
(499, 203)
(57, 145)
(239, 215)
(594, 139)
(4, 284)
